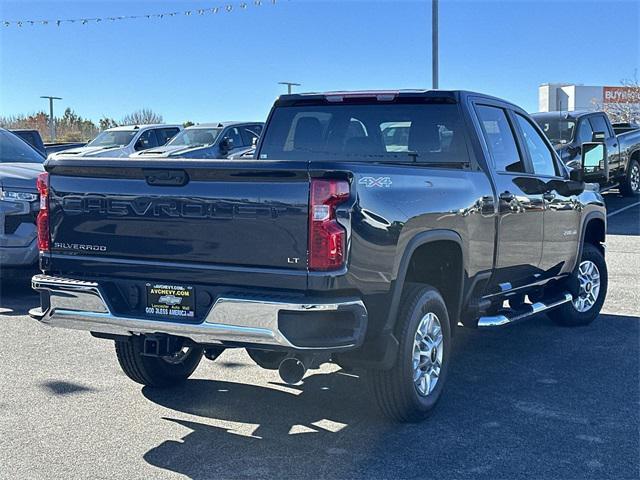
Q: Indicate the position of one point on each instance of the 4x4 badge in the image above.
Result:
(375, 182)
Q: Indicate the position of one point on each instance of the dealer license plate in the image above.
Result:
(170, 300)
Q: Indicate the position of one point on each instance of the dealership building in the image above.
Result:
(553, 97)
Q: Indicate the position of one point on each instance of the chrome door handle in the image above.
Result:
(549, 196)
(507, 196)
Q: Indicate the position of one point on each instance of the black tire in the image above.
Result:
(395, 392)
(630, 186)
(154, 371)
(568, 314)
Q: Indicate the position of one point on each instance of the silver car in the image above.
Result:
(20, 165)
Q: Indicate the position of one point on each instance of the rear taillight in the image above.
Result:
(42, 222)
(327, 238)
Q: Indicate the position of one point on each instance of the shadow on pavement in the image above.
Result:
(17, 297)
(527, 401)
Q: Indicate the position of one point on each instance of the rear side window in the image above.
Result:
(166, 134)
(431, 133)
(500, 140)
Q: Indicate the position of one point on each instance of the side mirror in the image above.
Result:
(139, 145)
(576, 175)
(597, 137)
(594, 160)
(226, 144)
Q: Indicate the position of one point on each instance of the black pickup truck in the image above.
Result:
(567, 131)
(368, 226)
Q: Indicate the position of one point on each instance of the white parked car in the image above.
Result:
(123, 141)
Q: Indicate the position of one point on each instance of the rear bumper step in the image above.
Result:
(531, 310)
(80, 305)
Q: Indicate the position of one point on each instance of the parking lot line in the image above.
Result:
(615, 212)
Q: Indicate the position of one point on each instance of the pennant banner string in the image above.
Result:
(227, 8)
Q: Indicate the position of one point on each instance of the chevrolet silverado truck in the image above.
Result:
(567, 131)
(335, 243)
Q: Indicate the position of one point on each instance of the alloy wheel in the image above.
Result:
(589, 278)
(428, 350)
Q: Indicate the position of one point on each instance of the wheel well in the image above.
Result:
(595, 233)
(439, 264)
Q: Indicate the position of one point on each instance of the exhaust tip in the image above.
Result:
(291, 370)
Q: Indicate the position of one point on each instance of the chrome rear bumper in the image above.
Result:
(80, 305)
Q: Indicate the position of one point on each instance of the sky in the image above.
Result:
(227, 66)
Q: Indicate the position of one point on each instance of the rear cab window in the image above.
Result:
(427, 132)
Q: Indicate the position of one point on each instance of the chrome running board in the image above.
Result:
(519, 315)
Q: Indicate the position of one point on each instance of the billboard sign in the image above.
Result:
(621, 95)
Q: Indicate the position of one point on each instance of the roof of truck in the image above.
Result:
(143, 126)
(382, 95)
(222, 124)
(572, 115)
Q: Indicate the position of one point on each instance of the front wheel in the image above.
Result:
(631, 184)
(156, 371)
(410, 389)
(593, 279)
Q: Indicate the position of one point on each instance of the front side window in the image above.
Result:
(195, 136)
(599, 125)
(233, 134)
(147, 140)
(500, 140)
(585, 132)
(421, 133)
(165, 134)
(113, 138)
(250, 133)
(540, 154)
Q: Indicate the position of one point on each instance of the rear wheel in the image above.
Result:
(593, 279)
(631, 183)
(410, 389)
(156, 371)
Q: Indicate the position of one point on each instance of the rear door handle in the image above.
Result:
(507, 196)
(549, 196)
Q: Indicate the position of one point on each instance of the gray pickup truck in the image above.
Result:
(567, 131)
(20, 165)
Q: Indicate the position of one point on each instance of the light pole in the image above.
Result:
(289, 85)
(52, 125)
(434, 43)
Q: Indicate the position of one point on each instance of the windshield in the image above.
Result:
(196, 136)
(113, 138)
(432, 133)
(14, 150)
(557, 130)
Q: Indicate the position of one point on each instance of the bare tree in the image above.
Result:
(143, 116)
(107, 122)
(627, 110)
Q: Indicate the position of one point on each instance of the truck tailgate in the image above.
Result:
(200, 213)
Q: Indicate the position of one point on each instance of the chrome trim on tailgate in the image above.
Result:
(79, 305)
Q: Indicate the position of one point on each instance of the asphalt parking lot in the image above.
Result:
(530, 401)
